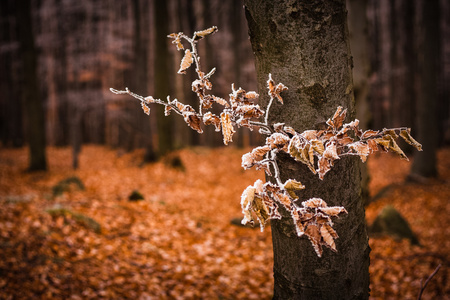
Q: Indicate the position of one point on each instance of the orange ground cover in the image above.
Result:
(178, 243)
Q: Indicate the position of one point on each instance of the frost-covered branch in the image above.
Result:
(317, 149)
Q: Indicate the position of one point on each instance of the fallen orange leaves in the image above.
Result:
(178, 242)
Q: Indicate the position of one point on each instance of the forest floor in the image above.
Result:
(179, 243)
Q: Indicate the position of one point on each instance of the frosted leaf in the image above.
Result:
(145, 108)
(290, 130)
(249, 111)
(275, 90)
(251, 95)
(302, 151)
(192, 118)
(333, 211)
(310, 134)
(221, 101)
(314, 203)
(338, 118)
(324, 166)
(394, 147)
(227, 128)
(186, 62)
(198, 35)
(248, 161)
(292, 185)
(328, 234)
(312, 232)
(260, 151)
(177, 40)
(373, 145)
(278, 140)
(362, 149)
(405, 134)
(283, 199)
(180, 106)
(330, 151)
(369, 134)
(278, 127)
(210, 118)
(318, 146)
(246, 201)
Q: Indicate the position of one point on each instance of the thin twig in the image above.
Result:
(422, 288)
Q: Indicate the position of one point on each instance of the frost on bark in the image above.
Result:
(306, 44)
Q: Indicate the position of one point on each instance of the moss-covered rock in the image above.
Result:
(65, 185)
(391, 222)
(79, 218)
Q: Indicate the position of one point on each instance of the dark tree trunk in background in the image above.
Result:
(162, 77)
(140, 80)
(32, 99)
(359, 44)
(305, 45)
(424, 164)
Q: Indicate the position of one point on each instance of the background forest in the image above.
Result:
(81, 234)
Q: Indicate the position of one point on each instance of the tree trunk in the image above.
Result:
(33, 104)
(305, 46)
(162, 78)
(424, 164)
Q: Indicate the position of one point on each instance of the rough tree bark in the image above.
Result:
(304, 44)
(32, 99)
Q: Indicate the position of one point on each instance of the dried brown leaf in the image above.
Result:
(293, 185)
(198, 35)
(227, 128)
(369, 134)
(362, 149)
(312, 231)
(333, 211)
(145, 108)
(278, 140)
(405, 134)
(186, 62)
(328, 234)
(314, 203)
(210, 118)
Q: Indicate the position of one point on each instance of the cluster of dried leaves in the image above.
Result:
(172, 245)
(318, 149)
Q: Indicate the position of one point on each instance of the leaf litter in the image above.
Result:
(178, 242)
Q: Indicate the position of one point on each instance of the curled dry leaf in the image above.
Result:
(392, 145)
(312, 232)
(210, 118)
(278, 141)
(362, 149)
(227, 128)
(220, 101)
(275, 90)
(145, 108)
(338, 118)
(314, 203)
(292, 185)
(186, 62)
(405, 134)
(198, 35)
(177, 40)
